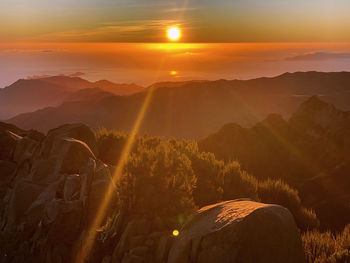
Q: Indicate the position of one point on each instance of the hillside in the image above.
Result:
(195, 109)
(310, 151)
(27, 95)
(55, 187)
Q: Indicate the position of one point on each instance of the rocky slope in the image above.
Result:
(311, 151)
(195, 109)
(51, 187)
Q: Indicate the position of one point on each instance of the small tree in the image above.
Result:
(157, 181)
(237, 183)
(208, 171)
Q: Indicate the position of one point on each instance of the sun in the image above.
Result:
(174, 33)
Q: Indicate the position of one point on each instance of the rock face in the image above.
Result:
(239, 231)
(44, 188)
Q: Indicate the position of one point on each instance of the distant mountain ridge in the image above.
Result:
(27, 95)
(194, 109)
(310, 151)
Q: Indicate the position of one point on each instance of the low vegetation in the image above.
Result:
(169, 179)
(278, 192)
(326, 247)
(172, 178)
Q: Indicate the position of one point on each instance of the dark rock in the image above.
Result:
(22, 197)
(139, 251)
(72, 187)
(137, 241)
(8, 143)
(7, 170)
(163, 248)
(66, 221)
(78, 131)
(24, 149)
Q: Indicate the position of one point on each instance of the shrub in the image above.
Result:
(157, 181)
(238, 183)
(110, 145)
(207, 170)
(151, 165)
(278, 192)
(326, 247)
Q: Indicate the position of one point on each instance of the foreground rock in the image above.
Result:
(239, 231)
(44, 190)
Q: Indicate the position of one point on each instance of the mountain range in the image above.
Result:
(309, 151)
(26, 95)
(192, 109)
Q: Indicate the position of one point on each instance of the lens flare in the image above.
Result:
(176, 233)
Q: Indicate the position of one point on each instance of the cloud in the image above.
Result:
(318, 56)
(138, 31)
(76, 74)
(38, 76)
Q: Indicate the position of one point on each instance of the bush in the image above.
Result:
(327, 247)
(238, 183)
(278, 192)
(109, 145)
(207, 170)
(157, 181)
(145, 186)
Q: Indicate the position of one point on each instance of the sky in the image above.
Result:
(202, 21)
(145, 64)
(125, 40)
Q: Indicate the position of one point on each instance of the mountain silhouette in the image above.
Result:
(31, 94)
(195, 109)
(309, 151)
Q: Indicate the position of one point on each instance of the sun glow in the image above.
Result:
(174, 33)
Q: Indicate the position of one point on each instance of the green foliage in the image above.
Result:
(278, 192)
(326, 247)
(208, 171)
(238, 183)
(110, 145)
(170, 177)
(157, 181)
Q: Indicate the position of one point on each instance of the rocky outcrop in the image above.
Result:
(45, 188)
(239, 231)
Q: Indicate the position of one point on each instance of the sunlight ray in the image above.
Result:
(89, 238)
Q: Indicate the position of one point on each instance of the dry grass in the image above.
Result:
(327, 247)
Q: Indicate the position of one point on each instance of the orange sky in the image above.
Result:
(201, 21)
(147, 63)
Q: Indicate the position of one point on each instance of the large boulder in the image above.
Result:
(239, 231)
(49, 187)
